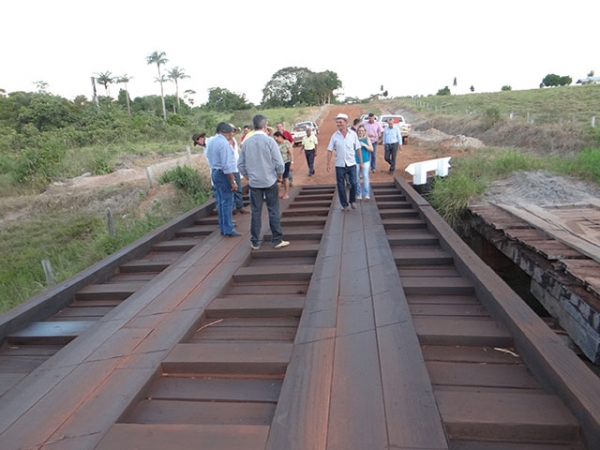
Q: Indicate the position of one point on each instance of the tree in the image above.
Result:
(124, 79)
(552, 80)
(41, 86)
(506, 87)
(444, 91)
(188, 95)
(105, 78)
(176, 74)
(160, 59)
(591, 74)
(220, 99)
(292, 86)
(454, 83)
(472, 88)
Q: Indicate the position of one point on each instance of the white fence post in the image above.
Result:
(594, 121)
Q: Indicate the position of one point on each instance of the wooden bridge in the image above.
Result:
(377, 328)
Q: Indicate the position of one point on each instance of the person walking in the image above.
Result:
(309, 146)
(392, 140)
(366, 149)
(346, 146)
(374, 131)
(261, 162)
(221, 160)
(286, 153)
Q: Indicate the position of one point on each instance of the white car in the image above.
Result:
(365, 118)
(399, 122)
(313, 125)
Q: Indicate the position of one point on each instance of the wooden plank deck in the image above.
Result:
(353, 346)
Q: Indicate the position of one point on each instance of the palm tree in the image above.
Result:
(105, 78)
(159, 59)
(124, 79)
(175, 74)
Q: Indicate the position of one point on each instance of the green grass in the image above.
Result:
(72, 238)
(577, 104)
(472, 174)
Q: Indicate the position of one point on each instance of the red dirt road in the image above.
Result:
(408, 155)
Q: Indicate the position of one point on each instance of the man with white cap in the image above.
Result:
(346, 145)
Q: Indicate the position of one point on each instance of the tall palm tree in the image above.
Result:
(105, 78)
(159, 58)
(176, 74)
(124, 79)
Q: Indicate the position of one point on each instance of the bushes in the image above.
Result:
(189, 180)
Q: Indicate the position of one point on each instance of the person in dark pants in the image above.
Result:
(261, 162)
(222, 167)
(392, 140)
(309, 145)
(347, 148)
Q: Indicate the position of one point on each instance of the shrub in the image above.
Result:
(187, 179)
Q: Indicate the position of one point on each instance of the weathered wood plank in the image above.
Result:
(188, 437)
(493, 416)
(259, 358)
(217, 389)
(164, 412)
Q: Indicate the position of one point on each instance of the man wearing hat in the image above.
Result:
(221, 160)
(347, 147)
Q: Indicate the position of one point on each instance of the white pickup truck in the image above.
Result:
(399, 122)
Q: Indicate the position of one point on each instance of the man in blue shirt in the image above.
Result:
(392, 140)
(347, 148)
(222, 168)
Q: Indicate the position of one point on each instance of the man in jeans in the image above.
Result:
(261, 162)
(374, 131)
(347, 148)
(222, 166)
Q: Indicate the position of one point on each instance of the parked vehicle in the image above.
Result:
(365, 118)
(313, 125)
(399, 122)
(299, 130)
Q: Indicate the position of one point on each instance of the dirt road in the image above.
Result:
(408, 155)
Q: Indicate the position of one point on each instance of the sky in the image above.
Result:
(410, 47)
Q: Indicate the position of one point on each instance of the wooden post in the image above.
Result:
(189, 154)
(110, 224)
(149, 175)
(49, 273)
(511, 115)
(594, 121)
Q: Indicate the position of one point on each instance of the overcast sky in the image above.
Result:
(412, 47)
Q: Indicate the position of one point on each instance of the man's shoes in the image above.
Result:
(234, 233)
(282, 244)
(243, 211)
(254, 247)
(359, 197)
(353, 205)
(344, 208)
(367, 197)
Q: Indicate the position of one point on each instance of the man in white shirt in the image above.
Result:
(347, 146)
